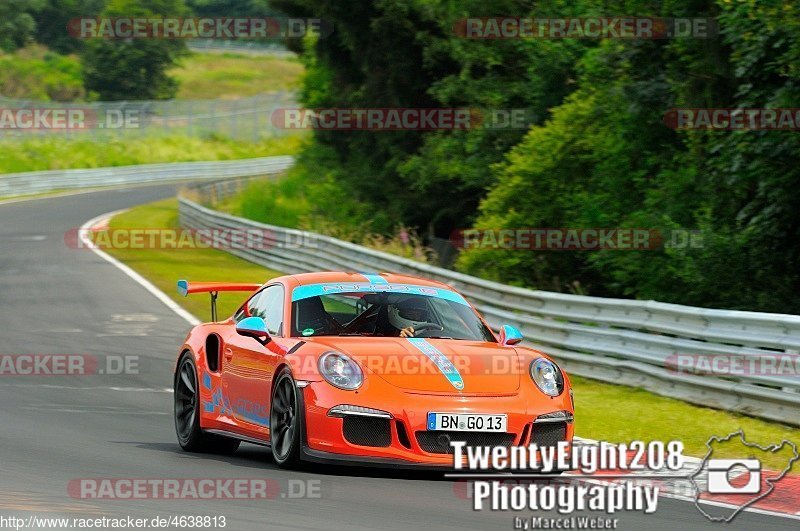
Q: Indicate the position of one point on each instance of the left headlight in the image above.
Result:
(547, 376)
(340, 371)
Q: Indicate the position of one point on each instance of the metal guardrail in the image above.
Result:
(619, 341)
(34, 182)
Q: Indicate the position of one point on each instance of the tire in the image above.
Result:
(187, 414)
(285, 421)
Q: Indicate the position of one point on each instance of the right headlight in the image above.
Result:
(340, 371)
(547, 376)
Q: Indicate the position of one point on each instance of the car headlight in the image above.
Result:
(547, 376)
(340, 371)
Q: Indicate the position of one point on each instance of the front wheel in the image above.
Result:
(187, 414)
(285, 422)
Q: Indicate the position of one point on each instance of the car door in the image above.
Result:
(247, 365)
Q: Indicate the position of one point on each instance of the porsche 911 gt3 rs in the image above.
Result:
(363, 369)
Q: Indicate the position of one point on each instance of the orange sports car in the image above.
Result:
(362, 369)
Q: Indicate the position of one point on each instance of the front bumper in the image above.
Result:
(403, 440)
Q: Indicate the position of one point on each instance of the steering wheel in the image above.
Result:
(358, 321)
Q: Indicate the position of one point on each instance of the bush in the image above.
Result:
(318, 204)
(37, 74)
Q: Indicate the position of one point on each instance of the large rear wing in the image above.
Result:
(213, 288)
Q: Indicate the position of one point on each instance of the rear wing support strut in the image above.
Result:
(214, 295)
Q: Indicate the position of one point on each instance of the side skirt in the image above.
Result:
(233, 435)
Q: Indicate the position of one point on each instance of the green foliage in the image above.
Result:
(597, 154)
(389, 54)
(52, 20)
(134, 69)
(299, 199)
(230, 8)
(37, 74)
(317, 203)
(17, 24)
(604, 160)
(281, 203)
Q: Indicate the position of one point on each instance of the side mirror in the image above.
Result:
(254, 327)
(509, 335)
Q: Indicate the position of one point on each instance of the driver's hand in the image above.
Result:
(407, 332)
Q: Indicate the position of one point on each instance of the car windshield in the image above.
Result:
(384, 310)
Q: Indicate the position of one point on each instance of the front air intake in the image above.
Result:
(367, 431)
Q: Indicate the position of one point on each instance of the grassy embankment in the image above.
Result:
(40, 75)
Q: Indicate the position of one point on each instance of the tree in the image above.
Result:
(134, 69)
(604, 160)
(230, 8)
(17, 23)
(598, 153)
(405, 54)
(54, 16)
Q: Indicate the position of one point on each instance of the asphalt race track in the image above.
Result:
(58, 429)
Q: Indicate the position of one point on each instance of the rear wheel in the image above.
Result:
(285, 421)
(187, 414)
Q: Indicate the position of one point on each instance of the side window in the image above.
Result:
(268, 304)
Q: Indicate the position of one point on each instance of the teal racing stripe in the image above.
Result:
(374, 278)
(445, 365)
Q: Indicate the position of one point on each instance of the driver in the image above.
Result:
(408, 315)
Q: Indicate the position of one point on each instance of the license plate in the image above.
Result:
(466, 422)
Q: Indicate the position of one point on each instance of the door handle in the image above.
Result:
(228, 354)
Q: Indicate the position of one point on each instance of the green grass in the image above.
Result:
(603, 411)
(164, 267)
(231, 76)
(53, 154)
(619, 413)
(281, 202)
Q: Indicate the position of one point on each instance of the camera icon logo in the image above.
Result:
(723, 472)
